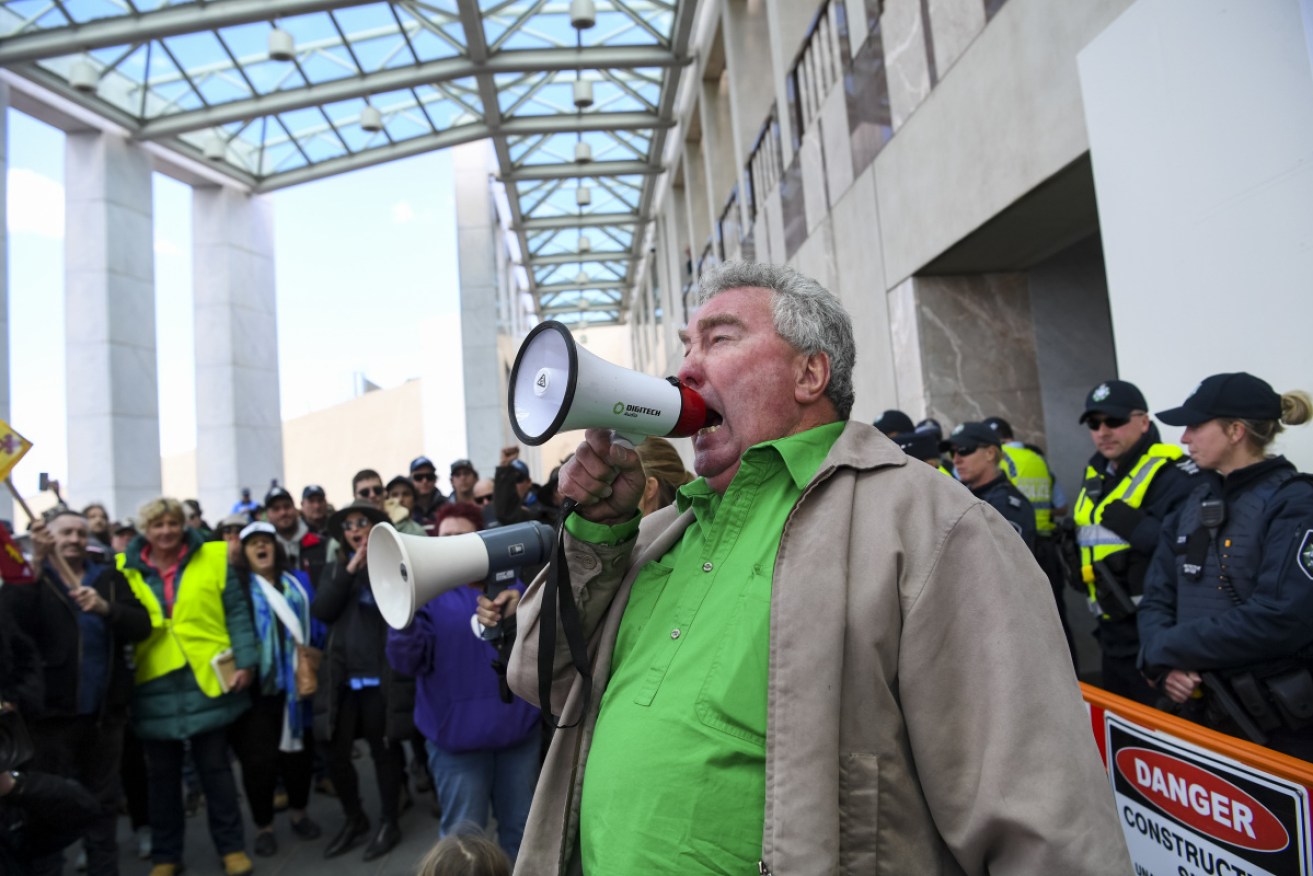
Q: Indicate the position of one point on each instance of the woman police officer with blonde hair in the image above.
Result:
(1226, 624)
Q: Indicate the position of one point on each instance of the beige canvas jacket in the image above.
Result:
(922, 713)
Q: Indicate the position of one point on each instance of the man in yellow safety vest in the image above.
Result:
(1131, 483)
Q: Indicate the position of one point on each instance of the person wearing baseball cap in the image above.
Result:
(428, 498)
(977, 451)
(463, 476)
(1131, 484)
(893, 422)
(922, 444)
(304, 549)
(315, 509)
(1231, 589)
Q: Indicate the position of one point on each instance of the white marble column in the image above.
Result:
(109, 284)
(486, 422)
(6, 503)
(239, 430)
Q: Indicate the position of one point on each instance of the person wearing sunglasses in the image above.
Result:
(977, 451)
(1131, 483)
(359, 694)
(428, 498)
(1228, 599)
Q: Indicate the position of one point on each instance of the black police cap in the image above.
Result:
(969, 436)
(918, 444)
(894, 421)
(1239, 395)
(1116, 397)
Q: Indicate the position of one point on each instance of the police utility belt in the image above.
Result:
(1106, 576)
(1262, 697)
(1110, 598)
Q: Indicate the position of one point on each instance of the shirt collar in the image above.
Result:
(802, 454)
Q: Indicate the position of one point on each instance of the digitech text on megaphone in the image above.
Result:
(556, 385)
(406, 571)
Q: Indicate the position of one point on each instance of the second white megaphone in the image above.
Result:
(557, 385)
(406, 571)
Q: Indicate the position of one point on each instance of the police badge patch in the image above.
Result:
(1304, 556)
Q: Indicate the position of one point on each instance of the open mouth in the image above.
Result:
(714, 420)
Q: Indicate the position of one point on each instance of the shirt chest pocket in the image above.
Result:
(733, 695)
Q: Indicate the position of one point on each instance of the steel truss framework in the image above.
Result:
(370, 82)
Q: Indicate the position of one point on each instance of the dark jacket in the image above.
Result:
(1006, 499)
(356, 631)
(1264, 544)
(47, 614)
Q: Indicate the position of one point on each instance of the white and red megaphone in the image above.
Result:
(557, 385)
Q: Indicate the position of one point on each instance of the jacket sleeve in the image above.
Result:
(981, 638)
(410, 651)
(1157, 611)
(332, 593)
(596, 572)
(237, 615)
(128, 618)
(1277, 618)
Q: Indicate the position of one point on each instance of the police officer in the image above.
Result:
(1131, 484)
(1227, 617)
(920, 444)
(976, 454)
(1028, 470)
(893, 422)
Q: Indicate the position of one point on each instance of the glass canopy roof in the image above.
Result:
(278, 92)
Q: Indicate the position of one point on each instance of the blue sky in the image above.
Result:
(365, 263)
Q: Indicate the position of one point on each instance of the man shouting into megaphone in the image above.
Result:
(820, 657)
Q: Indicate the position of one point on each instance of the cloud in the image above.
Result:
(36, 204)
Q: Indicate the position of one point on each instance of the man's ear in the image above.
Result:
(812, 378)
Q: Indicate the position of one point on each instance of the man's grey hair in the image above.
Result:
(806, 314)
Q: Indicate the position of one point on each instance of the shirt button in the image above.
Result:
(674, 634)
(707, 567)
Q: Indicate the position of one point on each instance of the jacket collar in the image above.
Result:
(863, 447)
(191, 539)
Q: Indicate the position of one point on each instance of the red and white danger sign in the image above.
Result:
(1188, 811)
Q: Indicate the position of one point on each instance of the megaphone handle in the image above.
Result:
(626, 440)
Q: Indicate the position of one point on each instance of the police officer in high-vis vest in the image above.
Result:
(1227, 616)
(1131, 483)
(1028, 470)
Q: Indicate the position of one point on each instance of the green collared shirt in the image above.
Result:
(675, 781)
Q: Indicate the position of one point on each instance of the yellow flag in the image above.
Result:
(12, 448)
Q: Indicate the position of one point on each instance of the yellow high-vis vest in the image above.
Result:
(1097, 541)
(1029, 473)
(198, 630)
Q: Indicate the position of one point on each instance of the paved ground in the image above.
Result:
(297, 857)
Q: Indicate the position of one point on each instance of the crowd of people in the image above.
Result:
(751, 659)
(162, 652)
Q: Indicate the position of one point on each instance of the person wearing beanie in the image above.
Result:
(1227, 615)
